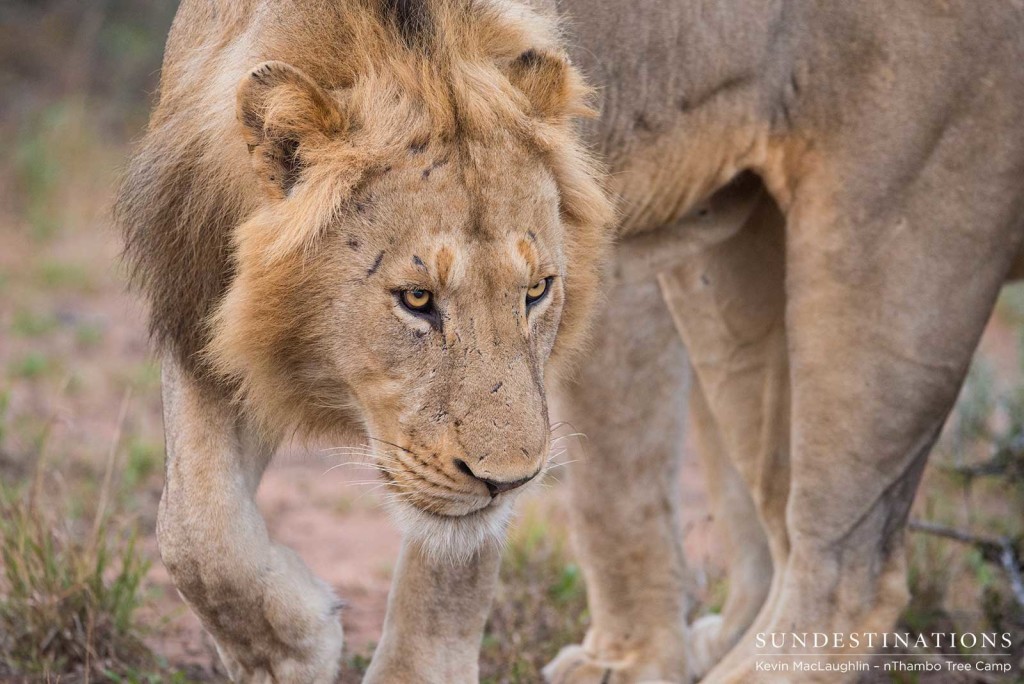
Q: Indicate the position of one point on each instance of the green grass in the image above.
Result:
(88, 335)
(60, 275)
(5, 404)
(142, 461)
(38, 171)
(145, 377)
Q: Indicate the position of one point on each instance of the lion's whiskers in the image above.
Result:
(579, 435)
(400, 448)
(562, 464)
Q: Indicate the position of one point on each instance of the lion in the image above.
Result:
(816, 205)
(371, 215)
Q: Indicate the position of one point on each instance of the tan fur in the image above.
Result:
(305, 164)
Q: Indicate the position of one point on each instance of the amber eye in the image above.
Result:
(418, 301)
(537, 291)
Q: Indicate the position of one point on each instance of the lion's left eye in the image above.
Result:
(536, 292)
(417, 301)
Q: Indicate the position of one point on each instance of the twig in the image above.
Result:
(1001, 463)
(998, 550)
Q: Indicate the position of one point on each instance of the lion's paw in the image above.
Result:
(289, 632)
(319, 664)
(706, 647)
(573, 665)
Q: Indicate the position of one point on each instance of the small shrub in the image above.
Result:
(355, 666)
(967, 540)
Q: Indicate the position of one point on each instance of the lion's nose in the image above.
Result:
(494, 487)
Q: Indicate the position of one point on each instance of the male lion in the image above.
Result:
(828, 197)
(368, 213)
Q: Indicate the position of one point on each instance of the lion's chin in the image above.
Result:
(452, 539)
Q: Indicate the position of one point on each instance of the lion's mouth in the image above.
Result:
(413, 481)
(430, 498)
(479, 511)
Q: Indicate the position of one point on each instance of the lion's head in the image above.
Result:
(427, 247)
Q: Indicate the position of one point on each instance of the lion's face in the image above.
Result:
(415, 282)
(448, 303)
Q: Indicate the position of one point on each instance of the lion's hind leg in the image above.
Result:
(884, 310)
(728, 304)
(272, 619)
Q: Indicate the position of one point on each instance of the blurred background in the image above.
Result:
(83, 596)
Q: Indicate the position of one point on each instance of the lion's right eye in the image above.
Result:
(417, 301)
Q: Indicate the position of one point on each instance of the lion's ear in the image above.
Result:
(284, 113)
(551, 84)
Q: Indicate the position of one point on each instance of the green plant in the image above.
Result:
(967, 538)
(32, 324)
(30, 366)
(70, 589)
(59, 275)
(88, 335)
(5, 402)
(38, 169)
(354, 667)
(143, 459)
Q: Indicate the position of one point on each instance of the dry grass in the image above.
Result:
(67, 603)
(70, 586)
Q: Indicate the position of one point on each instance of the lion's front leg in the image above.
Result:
(437, 610)
(272, 619)
(630, 402)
